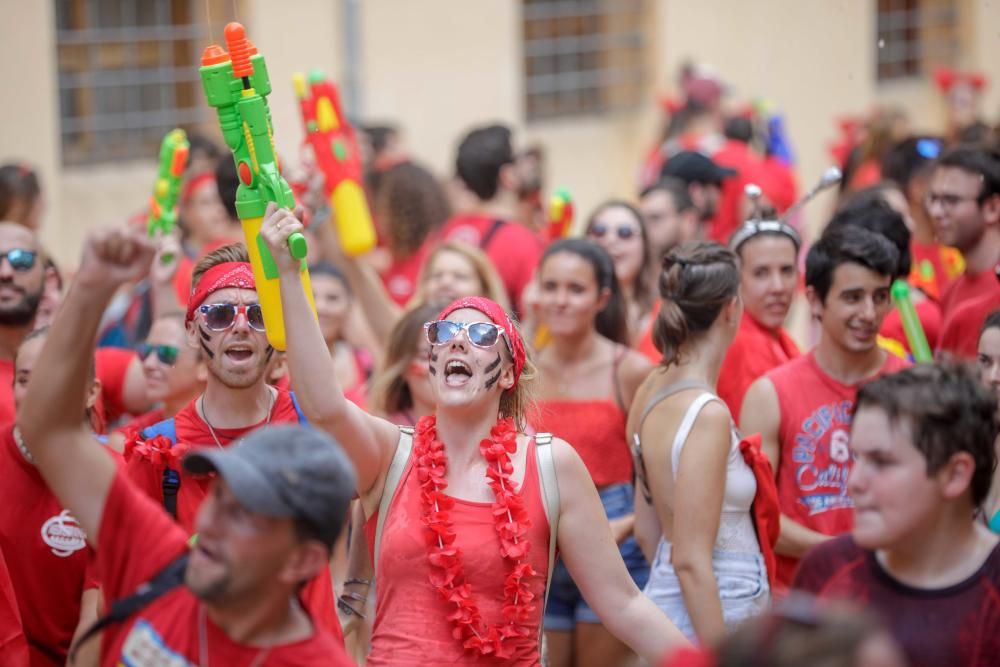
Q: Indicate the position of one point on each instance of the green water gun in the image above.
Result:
(914, 330)
(163, 204)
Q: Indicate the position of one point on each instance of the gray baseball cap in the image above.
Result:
(286, 471)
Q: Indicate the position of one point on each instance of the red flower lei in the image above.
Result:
(445, 558)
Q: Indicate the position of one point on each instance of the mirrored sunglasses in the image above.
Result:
(221, 316)
(167, 354)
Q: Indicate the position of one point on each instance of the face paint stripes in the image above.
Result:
(492, 366)
(493, 380)
(205, 336)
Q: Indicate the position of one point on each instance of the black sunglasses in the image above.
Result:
(20, 259)
(599, 230)
(167, 354)
(221, 316)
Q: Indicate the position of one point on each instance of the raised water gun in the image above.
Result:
(337, 155)
(560, 215)
(163, 204)
(236, 84)
(914, 331)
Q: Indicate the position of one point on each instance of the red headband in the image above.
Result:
(194, 183)
(498, 316)
(237, 275)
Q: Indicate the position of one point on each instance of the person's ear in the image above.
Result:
(603, 298)
(93, 393)
(305, 562)
(816, 306)
(191, 335)
(955, 477)
(508, 177)
(991, 210)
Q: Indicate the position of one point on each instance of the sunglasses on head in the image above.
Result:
(221, 316)
(167, 354)
(20, 260)
(480, 334)
(599, 230)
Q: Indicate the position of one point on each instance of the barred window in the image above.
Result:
(583, 56)
(914, 36)
(128, 73)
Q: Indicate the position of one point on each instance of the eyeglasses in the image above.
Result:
(221, 316)
(947, 201)
(167, 354)
(20, 260)
(599, 230)
(480, 334)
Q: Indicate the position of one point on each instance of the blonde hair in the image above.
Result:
(234, 252)
(518, 403)
(492, 285)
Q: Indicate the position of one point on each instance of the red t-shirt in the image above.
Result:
(929, 314)
(13, 647)
(957, 625)
(966, 287)
(47, 556)
(7, 411)
(136, 542)
(146, 461)
(514, 249)
(400, 279)
(645, 343)
(816, 413)
(754, 352)
(729, 215)
(960, 334)
(112, 370)
(935, 267)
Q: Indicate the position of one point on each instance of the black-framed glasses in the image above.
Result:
(599, 230)
(20, 259)
(948, 201)
(167, 354)
(221, 316)
(480, 334)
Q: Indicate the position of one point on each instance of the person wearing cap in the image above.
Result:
(704, 180)
(768, 258)
(458, 581)
(266, 527)
(224, 323)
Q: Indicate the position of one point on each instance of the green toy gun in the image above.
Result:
(163, 204)
(915, 336)
(236, 84)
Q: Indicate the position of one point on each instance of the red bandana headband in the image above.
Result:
(498, 316)
(194, 183)
(237, 275)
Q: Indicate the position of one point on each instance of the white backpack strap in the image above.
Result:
(550, 492)
(392, 477)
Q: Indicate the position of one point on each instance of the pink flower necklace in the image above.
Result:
(445, 559)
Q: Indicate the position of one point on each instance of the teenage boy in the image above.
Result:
(923, 444)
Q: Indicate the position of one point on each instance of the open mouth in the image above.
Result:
(239, 353)
(457, 373)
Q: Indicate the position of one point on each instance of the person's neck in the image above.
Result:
(261, 621)
(923, 227)
(571, 350)
(847, 367)
(502, 207)
(462, 432)
(228, 407)
(947, 551)
(174, 404)
(701, 361)
(11, 337)
(986, 253)
(420, 409)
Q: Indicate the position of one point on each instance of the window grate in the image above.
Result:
(914, 36)
(583, 56)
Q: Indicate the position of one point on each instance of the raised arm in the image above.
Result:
(369, 441)
(594, 562)
(76, 470)
(761, 413)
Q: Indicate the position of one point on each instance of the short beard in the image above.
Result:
(211, 592)
(23, 313)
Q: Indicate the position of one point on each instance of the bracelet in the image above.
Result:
(353, 580)
(357, 597)
(348, 609)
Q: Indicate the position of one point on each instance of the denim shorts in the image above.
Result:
(566, 606)
(741, 578)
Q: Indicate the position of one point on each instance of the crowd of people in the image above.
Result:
(484, 445)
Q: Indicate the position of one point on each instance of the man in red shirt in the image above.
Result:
(669, 216)
(923, 447)
(961, 336)
(704, 179)
(964, 201)
(768, 252)
(267, 526)
(802, 409)
(486, 167)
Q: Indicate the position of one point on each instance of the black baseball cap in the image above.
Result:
(693, 167)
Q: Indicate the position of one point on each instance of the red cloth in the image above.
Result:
(13, 646)
(729, 215)
(145, 470)
(645, 343)
(934, 268)
(221, 276)
(689, 656)
(754, 352)
(777, 180)
(411, 619)
(960, 333)
(47, 556)
(141, 542)
(142, 421)
(7, 411)
(816, 413)
(957, 625)
(967, 287)
(765, 511)
(596, 430)
(112, 370)
(400, 279)
(514, 249)
(929, 314)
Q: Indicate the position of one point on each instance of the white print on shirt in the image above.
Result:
(144, 648)
(63, 534)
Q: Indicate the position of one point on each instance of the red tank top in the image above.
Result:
(816, 412)
(596, 430)
(411, 619)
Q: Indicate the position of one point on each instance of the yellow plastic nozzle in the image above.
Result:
(354, 226)
(326, 118)
(299, 83)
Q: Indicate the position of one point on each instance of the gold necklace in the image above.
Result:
(204, 415)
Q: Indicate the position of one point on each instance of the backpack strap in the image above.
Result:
(638, 463)
(484, 243)
(171, 482)
(392, 477)
(167, 579)
(550, 492)
(298, 410)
